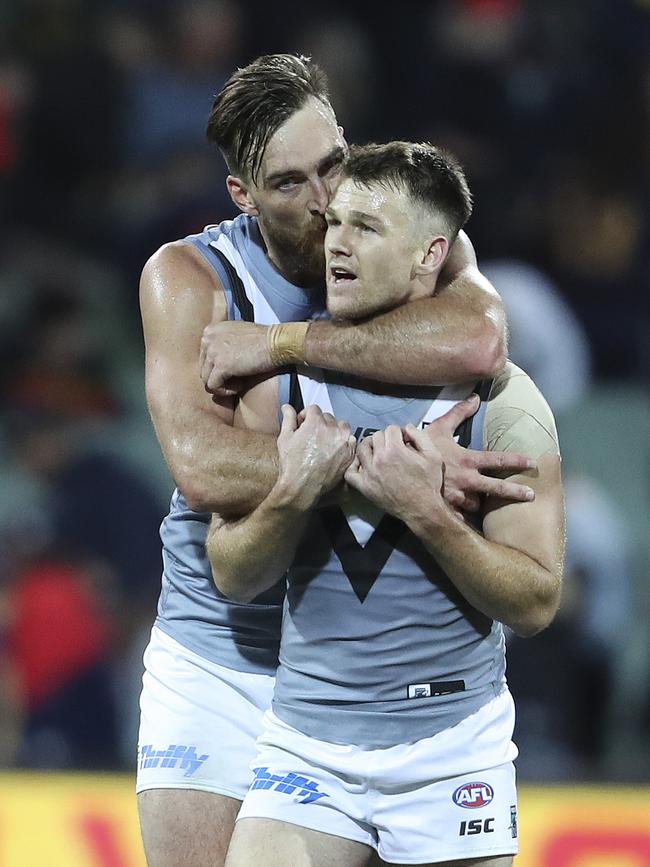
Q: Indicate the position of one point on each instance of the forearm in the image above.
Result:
(249, 555)
(219, 468)
(503, 583)
(455, 336)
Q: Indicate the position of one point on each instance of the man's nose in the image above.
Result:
(320, 196)
(337, 241)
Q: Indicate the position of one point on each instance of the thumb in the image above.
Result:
(459, 413)
(289, 421)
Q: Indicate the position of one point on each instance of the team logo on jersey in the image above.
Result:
(473, 795)
(513, 820)
(305, 790)
(175, 755)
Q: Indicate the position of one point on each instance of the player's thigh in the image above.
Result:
(186, 826)
(277, 844)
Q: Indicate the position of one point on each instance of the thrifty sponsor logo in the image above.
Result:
(305, 790)
(175, 755)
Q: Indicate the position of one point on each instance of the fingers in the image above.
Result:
(289, 419)
(502, 461)
(213, 380)
(419, 439)
(354, 475)
(503, 489)
(458, 414)
(354, 468)
(364, 452)
(223, 392)
(393, 436)
(466, 502)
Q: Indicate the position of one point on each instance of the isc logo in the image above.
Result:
(476, 826)
(473, 795)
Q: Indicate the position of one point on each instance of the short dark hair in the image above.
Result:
(255, 101)
(428, 174)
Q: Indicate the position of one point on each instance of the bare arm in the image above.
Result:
(249, 555)
(512, 573)
(455, 336)
(215, 467)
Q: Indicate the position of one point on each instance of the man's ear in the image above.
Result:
(434, 255)
(240, 194)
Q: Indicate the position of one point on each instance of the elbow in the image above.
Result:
(195, 492)
(231, 590)
(538, 616)
(489, 352)
(196, 499)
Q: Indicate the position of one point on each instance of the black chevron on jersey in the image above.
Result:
(361, 563)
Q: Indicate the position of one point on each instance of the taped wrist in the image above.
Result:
(286, 342)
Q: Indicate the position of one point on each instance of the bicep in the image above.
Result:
(178, 297)
(258, 407)
(535, 528)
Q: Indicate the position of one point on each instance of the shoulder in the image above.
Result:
(518, 418)
(177, 260)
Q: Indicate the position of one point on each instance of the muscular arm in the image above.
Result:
(513, 572)
(248, 555)
(214, 466)
(456, 336)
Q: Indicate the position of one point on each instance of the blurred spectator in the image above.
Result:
(59, 639)
(546, 338)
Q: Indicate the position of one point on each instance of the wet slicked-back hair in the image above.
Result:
(429, 175)
(256, 101)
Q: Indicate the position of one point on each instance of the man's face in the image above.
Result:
(297, 179)
(372, 248)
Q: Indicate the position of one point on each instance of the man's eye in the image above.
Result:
(289, 184)
(332, 221)
(367, 229)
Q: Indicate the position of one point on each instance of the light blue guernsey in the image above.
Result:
(191, 610)
(378, 647)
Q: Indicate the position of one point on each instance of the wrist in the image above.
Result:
(286, 343)
(433, 519)
(291, 497)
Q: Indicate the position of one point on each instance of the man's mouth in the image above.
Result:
(339, 274)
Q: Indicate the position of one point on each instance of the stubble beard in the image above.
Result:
(301, 258)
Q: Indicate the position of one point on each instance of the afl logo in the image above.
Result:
(473, 795)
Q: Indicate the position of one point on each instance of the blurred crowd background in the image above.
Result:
(103, 157)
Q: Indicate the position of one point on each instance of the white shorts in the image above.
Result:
(444, 798)
(198, 721)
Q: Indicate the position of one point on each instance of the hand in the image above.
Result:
(463, 479)
(401, 479)
(230, 351)
(314, 451)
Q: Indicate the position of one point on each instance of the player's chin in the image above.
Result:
(341, 306)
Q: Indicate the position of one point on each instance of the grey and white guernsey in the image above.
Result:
(378, 647)
(190, 609)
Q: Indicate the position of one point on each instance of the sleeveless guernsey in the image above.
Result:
(191, 610)
(378, 647)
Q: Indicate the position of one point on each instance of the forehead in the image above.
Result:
(377, 200)
(306, 138)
